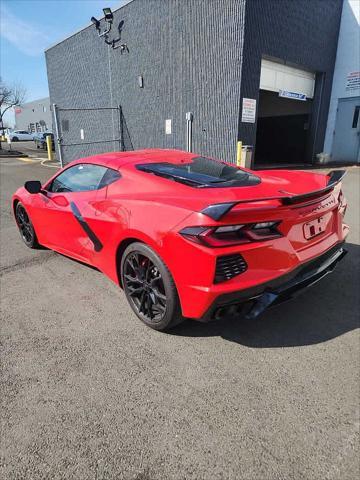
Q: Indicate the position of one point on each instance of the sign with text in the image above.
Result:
(293, 95)
(353, 81)
(248, 114)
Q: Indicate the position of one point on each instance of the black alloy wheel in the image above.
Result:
(25, 226)
(145, 286)
(149, 287)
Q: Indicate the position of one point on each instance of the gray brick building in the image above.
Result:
(204, 57)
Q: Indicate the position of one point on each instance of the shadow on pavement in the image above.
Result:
(324, 311)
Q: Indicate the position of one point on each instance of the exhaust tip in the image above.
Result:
(220, 313)
(228, 311)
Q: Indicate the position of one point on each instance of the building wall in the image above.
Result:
(190, 56)
(33, 112)
(302, 33)
(347, 61)
(193, 55)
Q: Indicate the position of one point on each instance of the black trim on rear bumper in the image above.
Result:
(276, 291)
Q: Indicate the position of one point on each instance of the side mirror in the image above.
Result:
(33, 186)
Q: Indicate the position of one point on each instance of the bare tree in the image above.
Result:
(10, 96)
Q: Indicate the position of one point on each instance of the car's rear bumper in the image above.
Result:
(269, 263)
(253, 301)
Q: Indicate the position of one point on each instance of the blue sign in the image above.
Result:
(293, 95)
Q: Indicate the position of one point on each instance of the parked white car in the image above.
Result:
(19, 136)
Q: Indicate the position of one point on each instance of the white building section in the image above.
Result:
(343, 127)
(277, 77)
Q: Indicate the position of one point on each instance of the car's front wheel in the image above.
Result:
(26, 228)
(149, 287)
(14, 139)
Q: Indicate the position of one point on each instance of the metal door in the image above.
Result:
(59, 227)
(346, 144)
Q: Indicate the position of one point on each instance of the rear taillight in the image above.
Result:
(228, 235)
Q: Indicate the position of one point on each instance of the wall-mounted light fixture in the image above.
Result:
(109, 17)
(108, 14)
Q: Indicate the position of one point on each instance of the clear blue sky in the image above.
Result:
(28, 27)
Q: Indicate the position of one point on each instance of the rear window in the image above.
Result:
(202, 172)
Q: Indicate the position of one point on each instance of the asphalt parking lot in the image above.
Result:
(30, 150)
(88, 392)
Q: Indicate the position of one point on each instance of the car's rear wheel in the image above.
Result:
(149, 287)
(26, 228)
(15, 139)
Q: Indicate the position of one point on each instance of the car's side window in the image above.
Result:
(110, 176)
(82, 178)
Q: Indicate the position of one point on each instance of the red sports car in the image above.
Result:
(187, 236)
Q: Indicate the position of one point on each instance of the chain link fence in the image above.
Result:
(82, 132)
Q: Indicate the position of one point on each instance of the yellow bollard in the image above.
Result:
(239, 154)
(49, 147)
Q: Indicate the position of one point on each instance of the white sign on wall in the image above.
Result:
(292, 95)
(82, 136)
(353, 81)
(248, 110)
(168, 126)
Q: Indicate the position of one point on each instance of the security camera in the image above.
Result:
(96, 22)
(108, 14)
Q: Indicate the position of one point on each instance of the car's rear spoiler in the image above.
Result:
(218, 210)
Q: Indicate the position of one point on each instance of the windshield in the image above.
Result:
(202, 172)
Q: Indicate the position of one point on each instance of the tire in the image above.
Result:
(15, 139)
(25, 226)
(149, 287)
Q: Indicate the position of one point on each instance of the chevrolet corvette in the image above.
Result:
(186, 236)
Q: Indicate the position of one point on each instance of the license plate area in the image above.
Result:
(314, 228)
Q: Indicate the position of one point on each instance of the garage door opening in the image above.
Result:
(284, 110)
(282, 130)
